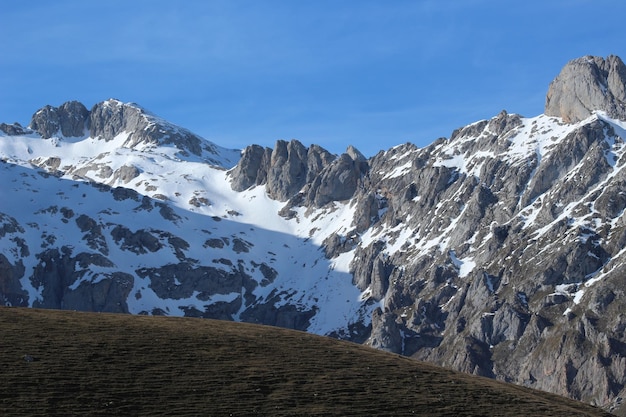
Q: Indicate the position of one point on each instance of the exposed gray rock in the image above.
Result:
(318, 158)
(287, 315)
(46, 121)
(112, 117)
(11, 292)
(125, 174)
(68, 120)
(587, 84)
(240, 245)
(288, 169)
(269, 274)
(57, 272)
(370, 269)
(367, 210)
(385, 332)
(73, 116)
(252, 168)
(14, 129)
(214, 243)
(334, 245)
(338, 181)
(108, 294)
(490, 320)
(139, 242)
(284, 170)
(52, 164)
(181, 280)
(9, 225)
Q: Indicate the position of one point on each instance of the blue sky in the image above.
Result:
(373, 74)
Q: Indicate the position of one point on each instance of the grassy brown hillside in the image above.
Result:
(59, 363)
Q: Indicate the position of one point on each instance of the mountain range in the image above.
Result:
(498, 251)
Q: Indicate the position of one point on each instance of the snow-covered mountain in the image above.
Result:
(498, 251)
(127, 222)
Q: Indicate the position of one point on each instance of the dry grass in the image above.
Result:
(59, 363)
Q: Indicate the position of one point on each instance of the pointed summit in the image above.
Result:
(588, 84)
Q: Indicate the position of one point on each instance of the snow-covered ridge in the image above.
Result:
(534, 136)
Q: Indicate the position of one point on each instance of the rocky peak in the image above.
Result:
(355, 154)
(310, 176)
(69, 120)
(108, 119)
(251, 169)
(284, 170)
(112, 117)
(586, 85)
(288, 169)
(14, 129)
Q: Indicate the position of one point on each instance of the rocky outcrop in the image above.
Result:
(288, 315)
(385, 332)
(112, 117)
(287, 172)
(11, 291)
(289, 167)
(14, 129)
(59, 269)
(338, 181)
(125, 174)
(284, 170)
(181, 280)
(252, 168)
(588, 84)
(69, 120)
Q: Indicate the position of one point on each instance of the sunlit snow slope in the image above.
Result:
(69, 197)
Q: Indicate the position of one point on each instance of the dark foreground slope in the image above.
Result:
(68, 363)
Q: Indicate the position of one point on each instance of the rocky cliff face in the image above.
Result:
(497, 252)
(587, 84)
(69, 120)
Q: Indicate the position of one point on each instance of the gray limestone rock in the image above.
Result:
(385, 332)
(285, 170)
(125, 174)
(588, 84)
(46, 121)
(317, 159)
(11, 292)
(14, 129)
(286, 315)
(181, 280)
(370, 269)
(59, 270)
(252, 168)
(139, 242)
(337, 181)
(112, 117)
(69, 120)
(288, 169)
(73, 116)
(108, 295)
